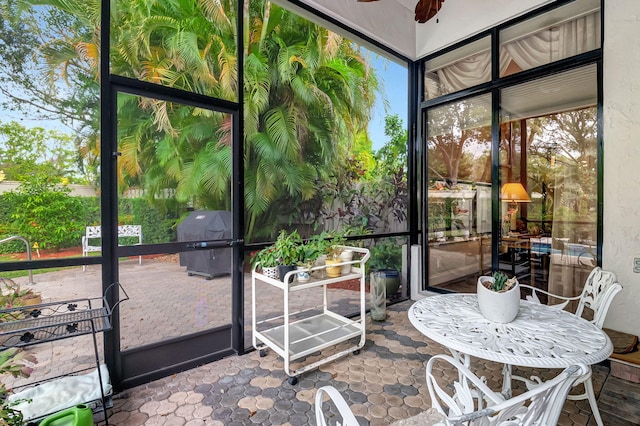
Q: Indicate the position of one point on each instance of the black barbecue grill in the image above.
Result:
(201, 226)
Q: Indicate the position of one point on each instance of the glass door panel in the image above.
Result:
(174, 226)
(459, 194)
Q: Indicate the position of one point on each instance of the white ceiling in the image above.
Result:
(392, 24)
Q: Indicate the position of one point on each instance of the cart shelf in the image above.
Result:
(313, 334)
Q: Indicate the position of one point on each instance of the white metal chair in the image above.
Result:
(599, 290)
(348, 419)
(472, 403)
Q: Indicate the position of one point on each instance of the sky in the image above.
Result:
(394, 79)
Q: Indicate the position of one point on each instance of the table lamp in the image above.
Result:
(514, 193)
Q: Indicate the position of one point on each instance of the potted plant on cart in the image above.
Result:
(287, 247)
(334, 251)
(308, 255)
(498, 297)
(266, 261)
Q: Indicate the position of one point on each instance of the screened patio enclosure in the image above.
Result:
(507, 93)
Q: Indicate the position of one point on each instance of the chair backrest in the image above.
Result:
(599, 290)
(93, 231)
(472, 403)
(341, 409)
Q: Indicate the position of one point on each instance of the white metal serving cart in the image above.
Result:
(295, 335)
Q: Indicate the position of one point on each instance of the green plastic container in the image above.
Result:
(80, 415)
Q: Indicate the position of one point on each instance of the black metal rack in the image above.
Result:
(32, 325)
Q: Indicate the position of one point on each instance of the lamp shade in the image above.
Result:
(514, 192)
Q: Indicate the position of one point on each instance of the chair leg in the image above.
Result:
(591, 396)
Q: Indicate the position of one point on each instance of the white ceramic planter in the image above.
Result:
(271, 272)
(498, 307)
(302, 274)
(346, 256)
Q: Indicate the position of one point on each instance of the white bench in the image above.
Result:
(95, 233)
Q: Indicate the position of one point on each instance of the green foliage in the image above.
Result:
(307, 92)
(44, 213)
(287, 247)
(12, 295)
(286, 250)
(158, 221)
(385, 254)
(315, 247)
(371, 200)
(501, 282)
(65, 90)
(13, 361)
(90, 210)
(334, 247)
(28, 151)
(392, 157)
(267, 257)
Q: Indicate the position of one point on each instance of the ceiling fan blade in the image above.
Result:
(427, 9)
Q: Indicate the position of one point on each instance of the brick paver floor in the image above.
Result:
(383, 383)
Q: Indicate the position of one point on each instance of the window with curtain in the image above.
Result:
(547, 221)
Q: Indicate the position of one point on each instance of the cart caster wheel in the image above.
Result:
(189, 274)
(356, 352)
(293, 381)
(263, 353)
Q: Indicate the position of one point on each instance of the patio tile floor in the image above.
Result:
(384, 383)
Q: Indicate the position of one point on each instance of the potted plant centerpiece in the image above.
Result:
(498, 297)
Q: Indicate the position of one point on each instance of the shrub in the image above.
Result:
(44, 213)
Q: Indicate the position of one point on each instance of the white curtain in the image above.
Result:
(555, 43)
(561, 41)
(468, 72)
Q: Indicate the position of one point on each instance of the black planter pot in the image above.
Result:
(283, 269)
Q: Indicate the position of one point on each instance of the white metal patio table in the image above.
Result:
(539, 337)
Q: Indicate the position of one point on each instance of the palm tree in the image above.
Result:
(307, 93)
